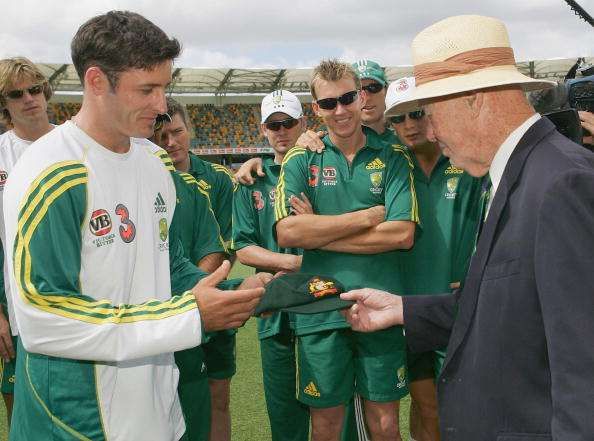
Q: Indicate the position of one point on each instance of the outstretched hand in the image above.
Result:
(374, 309)
(227, 309)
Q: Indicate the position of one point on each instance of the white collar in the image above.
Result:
(504, 152)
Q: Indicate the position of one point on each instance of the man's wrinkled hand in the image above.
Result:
(312, 141)
(227, 309)
(374, 309)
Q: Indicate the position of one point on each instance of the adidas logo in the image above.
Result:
(160, 206)
(376, 164)
(451, 170)
(312, 390)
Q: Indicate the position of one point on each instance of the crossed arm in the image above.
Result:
(359, 232)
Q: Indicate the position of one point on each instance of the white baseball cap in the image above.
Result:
(399, 91)
(281, 101)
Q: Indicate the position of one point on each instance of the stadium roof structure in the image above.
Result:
(230, 85)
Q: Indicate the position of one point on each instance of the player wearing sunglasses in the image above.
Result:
(24, 92)
(361, 208)
(448, 207)
(253, 217)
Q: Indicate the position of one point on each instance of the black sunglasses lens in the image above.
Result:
(417, 114)
(35, 90)
(273, 125)
(18, 93)
(397, 119)
(15, 94)
(347, 98)
(373, 87)
(286, 123)
(327, 103)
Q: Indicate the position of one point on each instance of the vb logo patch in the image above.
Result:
(100, 225)
(100, 222)
(311, 390)
(376, 182)
(3, 178)
(329, 176)
(319, 287)
(258, 201)
(451, 187)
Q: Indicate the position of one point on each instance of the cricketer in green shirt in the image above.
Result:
(219, 183)
(195, 226)
(378, 175)
(253, 218)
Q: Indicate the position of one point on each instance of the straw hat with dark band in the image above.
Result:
(461, 54)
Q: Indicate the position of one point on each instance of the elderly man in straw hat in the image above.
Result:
(519, 363)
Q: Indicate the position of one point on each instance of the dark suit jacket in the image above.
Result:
(520, 363)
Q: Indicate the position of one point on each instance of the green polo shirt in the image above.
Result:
(253, 218)
(194, 221)
(219, 184)
(449, 211)
(380, 174)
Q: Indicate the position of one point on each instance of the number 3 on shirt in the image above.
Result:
(127, 229)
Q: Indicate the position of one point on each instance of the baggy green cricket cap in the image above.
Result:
(302, 293)
(371, 70)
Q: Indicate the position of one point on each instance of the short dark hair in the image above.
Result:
(175, 108)
(118, 41)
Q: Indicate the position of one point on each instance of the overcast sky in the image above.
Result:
(258, 33)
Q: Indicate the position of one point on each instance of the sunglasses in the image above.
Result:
(18, 93)
(345, 99)
(286, 123)
(417, 114)
(160, 120)
(372, 87)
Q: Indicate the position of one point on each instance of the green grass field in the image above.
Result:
(248, 410)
